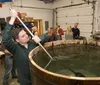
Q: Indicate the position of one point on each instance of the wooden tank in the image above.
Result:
(41, 76)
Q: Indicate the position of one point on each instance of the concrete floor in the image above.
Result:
(11, 81)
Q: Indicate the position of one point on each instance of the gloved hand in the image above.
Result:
(13, 13)
(36, 39)
(13, 16)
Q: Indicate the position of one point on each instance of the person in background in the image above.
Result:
(35, 30)
(58, 32)
(51, 34)
(9, 67)
(8, 64)
(76, 31)
(68, 33)
(20, 48)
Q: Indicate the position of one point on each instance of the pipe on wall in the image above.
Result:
(72, 5)
(31, 7)
(93, 31)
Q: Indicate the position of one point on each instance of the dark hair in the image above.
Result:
(58, 25)
(15, 32)
(51, 28)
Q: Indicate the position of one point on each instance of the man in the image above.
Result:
(9, 67)
(35, 30)
(76, 31)
(21, 48)
(51, 34)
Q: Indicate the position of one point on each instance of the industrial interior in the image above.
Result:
(49, 42)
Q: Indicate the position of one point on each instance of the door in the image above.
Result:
(82, 14)
(38, 23)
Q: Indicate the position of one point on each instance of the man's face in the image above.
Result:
(23, 38)
(35, 29)
(75, 25)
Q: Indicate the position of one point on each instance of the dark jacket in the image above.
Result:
(76, 33)
(20, 54)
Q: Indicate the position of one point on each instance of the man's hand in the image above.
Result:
(13, 13)
(36, 39)
(13, 16)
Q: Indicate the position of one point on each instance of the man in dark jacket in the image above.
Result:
(76, 31)
(21, 48)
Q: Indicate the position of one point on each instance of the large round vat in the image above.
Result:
(70, 57)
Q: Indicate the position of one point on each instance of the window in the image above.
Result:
(46, 25)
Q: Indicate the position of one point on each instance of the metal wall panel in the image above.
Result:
(83, 14)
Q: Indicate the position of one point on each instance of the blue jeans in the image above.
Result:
(9, 68)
